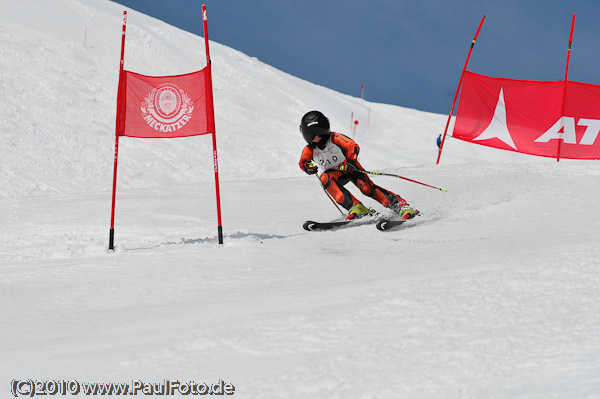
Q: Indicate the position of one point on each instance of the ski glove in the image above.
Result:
(309, 167)
(348, 166)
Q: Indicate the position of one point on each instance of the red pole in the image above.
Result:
(366, 172)
(111, 240)
(458, 89)
(566, 77)
(210, 116)
(328, 195)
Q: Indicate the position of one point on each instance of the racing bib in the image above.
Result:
(328, 158)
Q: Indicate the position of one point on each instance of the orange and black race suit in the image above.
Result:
(337, 149)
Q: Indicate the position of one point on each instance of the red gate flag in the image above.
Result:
(162, 106)
(547, 119)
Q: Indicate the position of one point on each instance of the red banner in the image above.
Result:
(533, 117)
(163, 106)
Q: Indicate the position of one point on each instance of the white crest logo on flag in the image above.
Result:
(167, 108)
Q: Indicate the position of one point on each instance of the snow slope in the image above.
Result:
(492, 292)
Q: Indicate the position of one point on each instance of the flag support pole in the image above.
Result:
(111, 240)
(566, 81)
(210, 116)
(458, 89)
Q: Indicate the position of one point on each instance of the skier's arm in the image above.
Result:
(348, 146)
(306, 163)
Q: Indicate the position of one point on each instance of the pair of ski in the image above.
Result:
(382, 223)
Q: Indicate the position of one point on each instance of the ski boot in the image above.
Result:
(401, 207)
(407, 213)
(358, 211)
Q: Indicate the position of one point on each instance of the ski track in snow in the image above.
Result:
(492, 292)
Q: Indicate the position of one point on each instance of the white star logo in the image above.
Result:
(497, 127)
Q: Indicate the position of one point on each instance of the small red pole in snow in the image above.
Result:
(362, 95)
(351, 119)
(354, 132)
(85, 36)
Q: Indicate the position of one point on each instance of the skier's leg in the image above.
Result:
(394, 201)
(334, 183)
(379, 194)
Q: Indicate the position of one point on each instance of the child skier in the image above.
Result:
(336, 156)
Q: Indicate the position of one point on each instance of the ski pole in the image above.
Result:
(400, 177)
(328, 195)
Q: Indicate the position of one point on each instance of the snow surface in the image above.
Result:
(491, 293)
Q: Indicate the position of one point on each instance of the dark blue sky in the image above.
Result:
(407, 53)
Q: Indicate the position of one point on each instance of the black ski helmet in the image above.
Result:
(314, 123)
